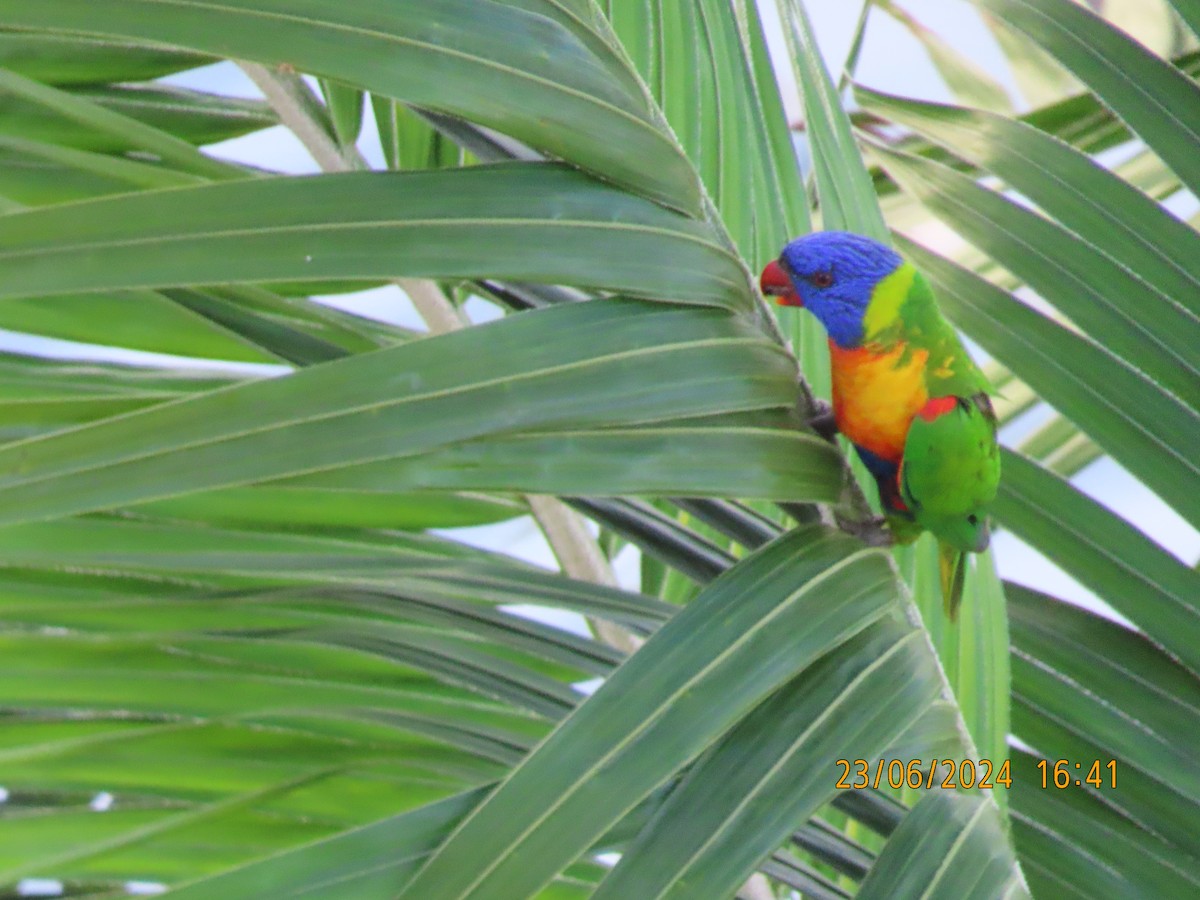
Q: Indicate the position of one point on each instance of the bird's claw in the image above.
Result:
(822, 420)
(873, 532)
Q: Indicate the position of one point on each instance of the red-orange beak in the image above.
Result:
(774, 283)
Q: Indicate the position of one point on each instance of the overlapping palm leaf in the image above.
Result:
(221, 609)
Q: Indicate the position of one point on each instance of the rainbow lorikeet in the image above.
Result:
(905, 391)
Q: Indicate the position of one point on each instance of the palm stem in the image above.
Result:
(565, 531)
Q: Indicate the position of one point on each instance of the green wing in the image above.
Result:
(948, 479)
(951, 468)
(951, 464)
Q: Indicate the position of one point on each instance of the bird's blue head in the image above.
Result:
(831, 273)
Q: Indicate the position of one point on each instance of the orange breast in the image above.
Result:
(876, 394)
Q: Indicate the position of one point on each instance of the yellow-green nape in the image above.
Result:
(886, 299)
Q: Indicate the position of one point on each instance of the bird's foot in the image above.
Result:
(822, 420)
(873, 532)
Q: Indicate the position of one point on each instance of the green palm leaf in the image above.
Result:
(240, 660)
(485, 64)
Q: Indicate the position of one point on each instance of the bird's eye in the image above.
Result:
(821, 279)
(973, 519)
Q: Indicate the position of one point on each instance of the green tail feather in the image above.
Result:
(952, 566)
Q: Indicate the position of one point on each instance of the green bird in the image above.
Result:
(905, 391)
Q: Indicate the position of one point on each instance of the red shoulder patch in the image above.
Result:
(937, 406)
